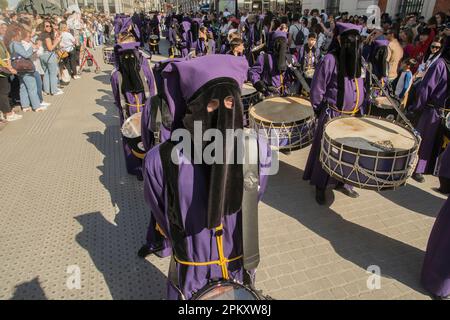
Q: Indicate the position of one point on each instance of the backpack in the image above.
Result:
(300, 37)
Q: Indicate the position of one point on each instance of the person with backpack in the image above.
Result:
(297, 34)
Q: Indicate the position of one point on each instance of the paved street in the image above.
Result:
(68, 203)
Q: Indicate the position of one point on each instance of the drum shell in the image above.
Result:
(248, 101)
(339, 162)
(251, 293)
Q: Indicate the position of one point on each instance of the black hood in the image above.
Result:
(378, 59)
(129, 67)
(279, 53)
(224, 180)
(350, 54)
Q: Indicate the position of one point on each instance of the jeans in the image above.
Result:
(100, 38)
(50, 65)
(28, 91)
(38, 78)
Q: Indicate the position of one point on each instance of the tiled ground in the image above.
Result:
(66, 200)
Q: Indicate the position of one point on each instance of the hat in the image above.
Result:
(195, 73)
(344, 27)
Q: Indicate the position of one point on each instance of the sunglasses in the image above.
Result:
(435, 47)
(47, 26)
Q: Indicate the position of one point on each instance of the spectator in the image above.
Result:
(395, 54)
(406, 38)
(68, 45)
(21, 48)
(5, 71)
(49, 60)
(294, 29)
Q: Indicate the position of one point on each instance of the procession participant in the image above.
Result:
(173, 37)
(186, 37)
(270, 74)
(154, 31)
(431, 97)
(436, 266)
(236, 47)
(132, 85)
(198, 206)
(204, 44)
(444, 171)
(336, 89)
(251, 37)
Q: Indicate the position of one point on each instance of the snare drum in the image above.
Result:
(249, 97)
(108, 55)
(131, 132)
(227, 290)
(287, 122)
(154, 39)
(369, 153)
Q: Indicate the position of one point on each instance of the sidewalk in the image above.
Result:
(67, 204)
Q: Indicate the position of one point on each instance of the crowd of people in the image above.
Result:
(341, 65)
(40, 54)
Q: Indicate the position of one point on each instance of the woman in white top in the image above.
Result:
(433, 53)
(67, 44)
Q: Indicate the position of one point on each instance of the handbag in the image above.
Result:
(23, 65)
(62, 54)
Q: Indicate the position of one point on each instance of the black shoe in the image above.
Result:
(320, 196)
(418, 177)
(139, 176)
(348, 192)
(144, 251)
(443, 190)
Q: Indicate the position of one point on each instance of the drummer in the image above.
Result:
(154, 31)
(250, 36)
(270, 74)
(430, 101)
(337, 89)
(132, 84)
(202, 219)
(308, 57)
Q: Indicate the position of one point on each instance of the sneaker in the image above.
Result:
(40, 109)
(45, 93)
(76, 77)
(58, 93)
(45, 104)
(13, 117)
(26, 109)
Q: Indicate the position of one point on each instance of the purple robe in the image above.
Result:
(201, 50)
(186, 38)
(430, 96)
(133, 163)
(324, 88)
(436, 266)
(272, 77)
(201, 242)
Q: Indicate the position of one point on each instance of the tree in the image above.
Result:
(3, 4)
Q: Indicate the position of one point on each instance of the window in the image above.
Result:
(333, 7)
(410, 6)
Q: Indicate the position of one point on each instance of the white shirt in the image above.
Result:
(226, 14)
(67, 41)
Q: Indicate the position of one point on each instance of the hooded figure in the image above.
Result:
(197, 206)
(186, 38)
(132, 85)
(336, 89)
(431, 98)
(270, 73)
(251, 37)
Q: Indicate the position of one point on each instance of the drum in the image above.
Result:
(108, 55)
(382, 107)
(249, 97)
(227, 290)
(287, 122)
(154, 39)
(256, 51)
(131, 132)
(368, 152)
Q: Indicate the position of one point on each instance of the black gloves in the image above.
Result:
(260, 86)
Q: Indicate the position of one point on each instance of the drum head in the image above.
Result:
(247, 89)
(131, 128)
(370, 134)
(284, 110)
(226, 291)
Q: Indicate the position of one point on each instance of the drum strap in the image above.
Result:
(250, 204)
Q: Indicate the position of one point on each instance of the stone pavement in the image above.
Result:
(68, 205)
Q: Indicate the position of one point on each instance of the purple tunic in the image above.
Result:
(201, 49)
(134, 164)
(324, 88)
(436, 266)
(186, 38)
(431, 95)
(201, 242)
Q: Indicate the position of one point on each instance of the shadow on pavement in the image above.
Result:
(113, 246)
(355, 243)
(428, 206)
(30, 290)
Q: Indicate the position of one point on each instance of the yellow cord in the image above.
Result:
(356, 107)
